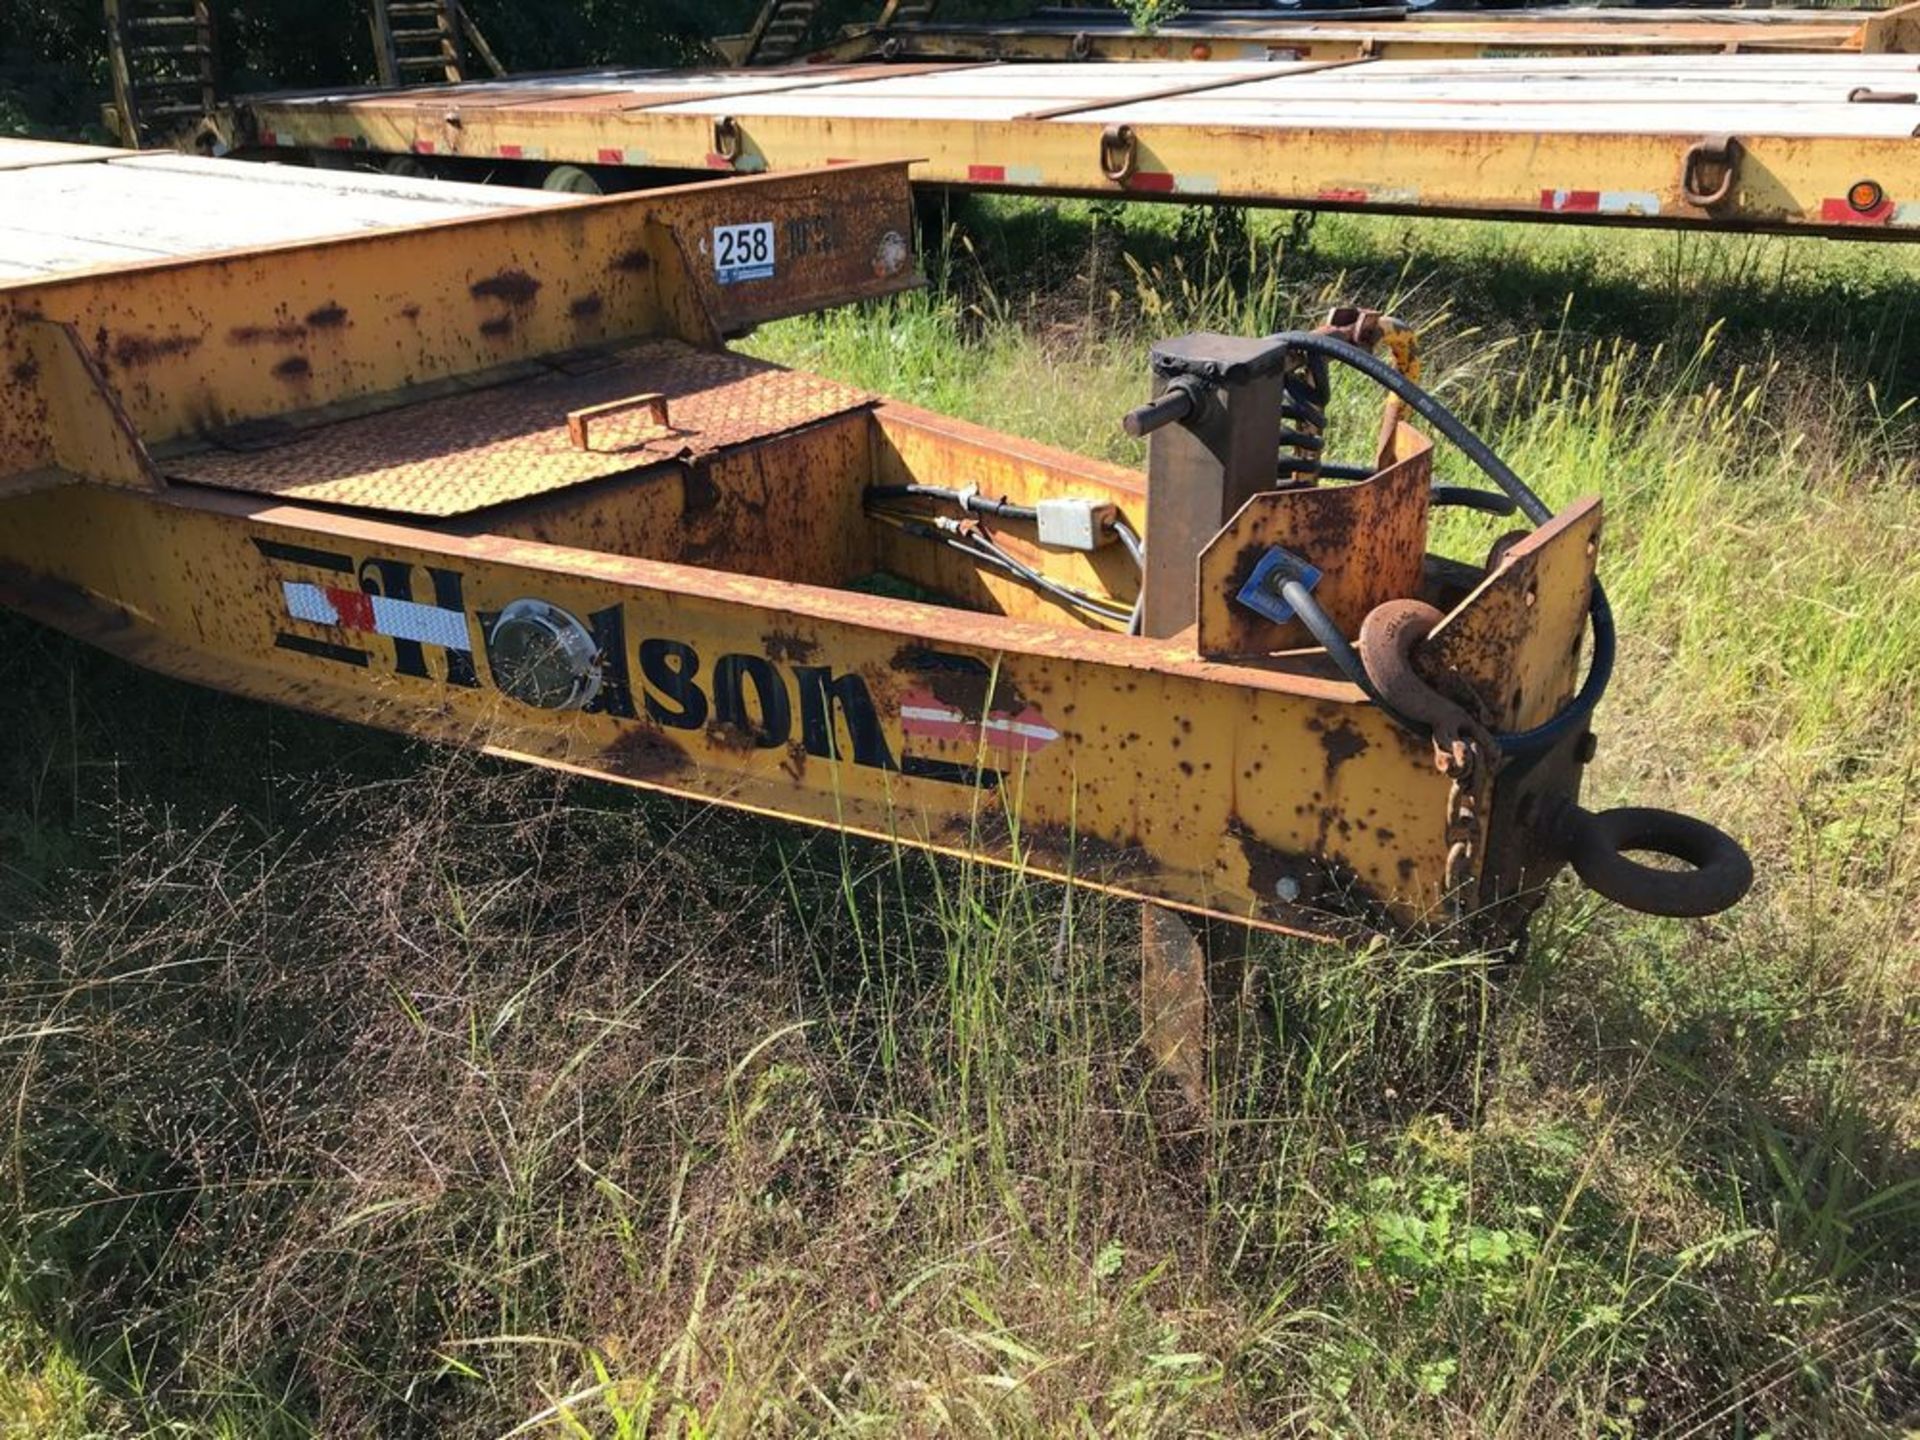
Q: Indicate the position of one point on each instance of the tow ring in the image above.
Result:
(1597, 846)
(1708, 170)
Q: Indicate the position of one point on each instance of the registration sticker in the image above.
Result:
(743, 252)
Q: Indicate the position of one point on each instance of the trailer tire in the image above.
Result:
(571, 180)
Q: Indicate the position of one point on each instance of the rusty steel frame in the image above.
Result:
(1266, 790)
(332, 474)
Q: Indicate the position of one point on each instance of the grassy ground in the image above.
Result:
(354, 1088)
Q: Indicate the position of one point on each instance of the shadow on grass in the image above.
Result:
(1855, 300)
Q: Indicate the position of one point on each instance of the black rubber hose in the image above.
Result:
(1383, 373)
(976, 503)
(1337, 647)
(1488, 502)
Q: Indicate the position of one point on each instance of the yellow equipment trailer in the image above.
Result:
(474, 464)
(1798, 143)
(1099, 32)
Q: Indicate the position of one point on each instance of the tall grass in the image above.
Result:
(355, 1088)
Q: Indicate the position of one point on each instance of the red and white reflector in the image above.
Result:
(925, 714)
(376, 615)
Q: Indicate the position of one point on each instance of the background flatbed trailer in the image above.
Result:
(1793, 143)
(1061, 34)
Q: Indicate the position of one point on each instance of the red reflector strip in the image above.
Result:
(1159, 180)
(1345, 197)
(267, 137)
(341, 142)
(423, 147)
(353, 608)
(1571, 202)
(509, 152)
(610, 157)
(1839, 212)
(987, 174)
(717, 161)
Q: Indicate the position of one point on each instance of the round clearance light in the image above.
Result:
(543, 656)
(1865, 196)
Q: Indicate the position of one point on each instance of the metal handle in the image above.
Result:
(581, 423)
(1597, 846)
(1180, 399)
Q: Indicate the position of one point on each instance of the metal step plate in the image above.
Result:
(456, 454)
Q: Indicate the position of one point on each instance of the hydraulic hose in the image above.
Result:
(1384, 373)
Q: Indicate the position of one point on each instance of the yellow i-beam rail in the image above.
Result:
(1798, 143)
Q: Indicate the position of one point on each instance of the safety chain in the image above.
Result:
(1462, 763)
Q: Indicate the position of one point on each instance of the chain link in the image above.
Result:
(1463, 764)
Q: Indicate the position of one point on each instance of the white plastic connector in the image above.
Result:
(1074, 523)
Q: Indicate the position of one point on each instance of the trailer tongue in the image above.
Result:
(493, 480)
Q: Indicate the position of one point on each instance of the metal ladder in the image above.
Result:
(422, 41)
(780, 31)
(162, 56)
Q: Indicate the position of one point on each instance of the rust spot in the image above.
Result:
(284, 333)
(643, 752)
(699, 494)
(967, 684)
(1288, 883)
(726, 736)
(795, 765)
(586, 307)
(410, 312)
(25, 372)
(496, 327)
(1064, 847)
(329, 316)
(516, 287)
(634, 260)
(294, 367)
(131, 350)
(1341, 742)
(787, 645)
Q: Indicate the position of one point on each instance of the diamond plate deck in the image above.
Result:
(458, 454)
